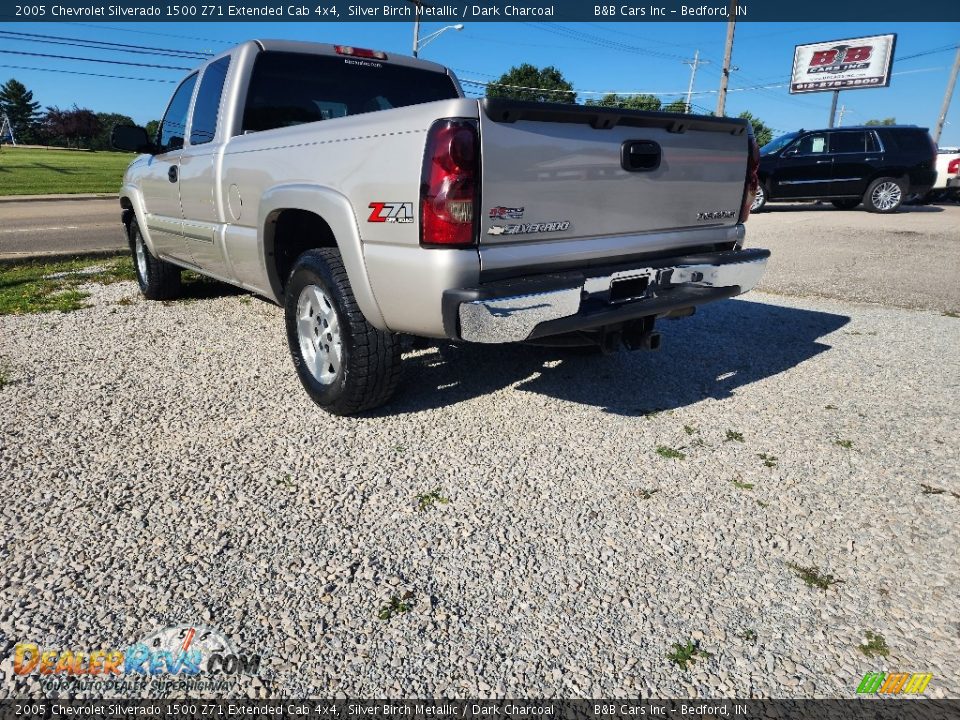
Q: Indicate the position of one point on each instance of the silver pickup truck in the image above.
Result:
(370, 198)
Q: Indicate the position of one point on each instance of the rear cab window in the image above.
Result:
(289, 88)
(206, 108)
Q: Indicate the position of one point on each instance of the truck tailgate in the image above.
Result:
(560, 172)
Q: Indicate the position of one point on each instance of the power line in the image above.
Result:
(152, 32)
(100, 75)
(101, 45)
(111, 62)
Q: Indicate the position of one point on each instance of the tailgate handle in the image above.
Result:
(639, 155)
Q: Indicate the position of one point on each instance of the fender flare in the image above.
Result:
(337, 211)
(133, 194)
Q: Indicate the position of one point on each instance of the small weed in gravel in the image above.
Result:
(245, 299)
(951, 313)
(6, 373)
(742, 485)
(670, 453)
(813, 577)
(125, 301)
(286, 481)
(932, 490)
(427, 499)
(845, 444)
(395, 606)
(749, 635)
(769, 460)
(763, 504)
(681, 655)
(734, 435)
(689, 430)
(875, 646)
(646, 494)
(829, 407)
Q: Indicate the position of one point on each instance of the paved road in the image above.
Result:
(910, 259)
(59, 226)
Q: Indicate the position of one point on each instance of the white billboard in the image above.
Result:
(851, 64)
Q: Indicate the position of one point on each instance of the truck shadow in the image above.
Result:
(723, 347)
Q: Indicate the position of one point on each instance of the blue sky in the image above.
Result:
(632, 57)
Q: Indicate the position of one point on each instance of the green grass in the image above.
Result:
(733, 435)
(29, 171)
(39, 287)
(875, 646)
(846, 444)
(742, 485)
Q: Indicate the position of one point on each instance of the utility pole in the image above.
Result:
(694, 64)
(727, 57)
(948, 96)
(843, 109)
(833, 108)
(417, 4)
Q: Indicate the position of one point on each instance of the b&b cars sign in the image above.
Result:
(843, 64)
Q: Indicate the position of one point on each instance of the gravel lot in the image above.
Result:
(159, 465)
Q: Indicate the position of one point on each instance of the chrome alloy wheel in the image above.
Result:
(886, 195)
(318, 330)
(758, 198)
(141, 253)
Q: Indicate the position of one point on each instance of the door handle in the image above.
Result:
(871, 159)
(824, 162)
(172, 173)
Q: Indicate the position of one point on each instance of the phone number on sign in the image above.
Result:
(176, 11)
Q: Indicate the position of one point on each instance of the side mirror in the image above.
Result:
(790, 152)
(132, 138)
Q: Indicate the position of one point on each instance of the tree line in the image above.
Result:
(530, 83)
(67, 127)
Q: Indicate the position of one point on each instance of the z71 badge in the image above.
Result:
(391, 212)
(529, 228)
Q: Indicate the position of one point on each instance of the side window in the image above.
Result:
(173, 127)
(848, 142)
(812, 144)
(873, 144)
(207, 107)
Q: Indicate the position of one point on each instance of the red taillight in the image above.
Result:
(360, 52)
(450, 184)
(954, 166)
(752, 180)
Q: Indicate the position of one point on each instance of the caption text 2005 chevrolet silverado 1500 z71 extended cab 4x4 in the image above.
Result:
(366, 195)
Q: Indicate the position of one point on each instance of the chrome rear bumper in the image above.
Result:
(523, 309)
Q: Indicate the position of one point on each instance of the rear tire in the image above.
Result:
(344, 363)
(158, 280)
(885, 195)
(845, 204)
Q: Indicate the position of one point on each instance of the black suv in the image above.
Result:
(879, 166)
